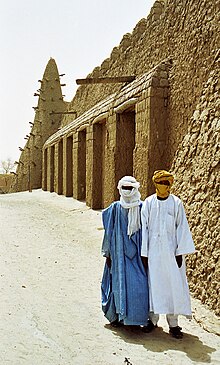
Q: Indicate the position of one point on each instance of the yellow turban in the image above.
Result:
(162, 190)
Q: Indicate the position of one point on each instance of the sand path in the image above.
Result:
(50, 273)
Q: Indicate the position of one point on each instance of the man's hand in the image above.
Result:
(109, 262)
(179, 260)
(145, 262)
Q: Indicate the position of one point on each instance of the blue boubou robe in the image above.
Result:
(124, 287)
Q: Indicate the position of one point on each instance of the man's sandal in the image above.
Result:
(116, 323)
(149, 327)
(176, 332)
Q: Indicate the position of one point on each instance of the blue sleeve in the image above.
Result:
(108, 219)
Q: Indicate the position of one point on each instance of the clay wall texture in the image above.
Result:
(196, 168)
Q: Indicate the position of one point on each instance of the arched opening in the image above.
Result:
(125, 144)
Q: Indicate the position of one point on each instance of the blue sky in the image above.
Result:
(79, 35)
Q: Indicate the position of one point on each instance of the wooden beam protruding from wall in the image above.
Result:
(105, 80)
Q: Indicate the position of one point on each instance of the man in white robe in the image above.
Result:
(166, 238)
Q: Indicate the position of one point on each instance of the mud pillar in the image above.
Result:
(60, 167)
(50, 169)
(151, 136)
(44, 169)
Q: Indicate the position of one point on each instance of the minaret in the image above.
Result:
(48, 115)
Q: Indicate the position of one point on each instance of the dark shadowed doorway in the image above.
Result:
(69, 166)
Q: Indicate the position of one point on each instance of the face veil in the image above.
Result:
(163, 180)
(130, 199)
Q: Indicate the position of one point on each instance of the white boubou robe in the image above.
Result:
(166, 234)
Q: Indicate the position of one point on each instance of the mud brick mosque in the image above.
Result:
(154, 103)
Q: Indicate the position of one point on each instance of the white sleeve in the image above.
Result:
(144, 222)
(185, 244)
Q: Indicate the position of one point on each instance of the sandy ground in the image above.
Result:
(50, 314)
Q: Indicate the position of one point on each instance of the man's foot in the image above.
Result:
(116, 323)
(149, 327)
(176, 332)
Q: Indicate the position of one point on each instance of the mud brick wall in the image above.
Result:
(197, 173)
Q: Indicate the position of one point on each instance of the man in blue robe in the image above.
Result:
(124, 282)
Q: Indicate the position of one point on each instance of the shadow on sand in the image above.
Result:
(160, 341)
